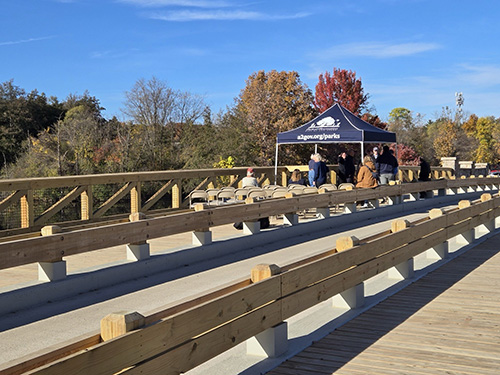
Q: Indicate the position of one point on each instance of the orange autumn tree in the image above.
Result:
(341, 87)
(273, 102)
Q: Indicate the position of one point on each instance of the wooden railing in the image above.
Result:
(29, 204)
(26, 200)
(181, 337)
(51, 248)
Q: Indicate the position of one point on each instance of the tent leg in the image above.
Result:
(315, 148)
(362, 151)
(276, 166)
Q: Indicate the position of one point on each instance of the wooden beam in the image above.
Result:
(58, 206)
(153, 340)
(157, 196)
(124, 190)
(11, 199)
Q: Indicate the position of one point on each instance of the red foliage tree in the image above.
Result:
(406, 155)
(340, 87)
(374, 120)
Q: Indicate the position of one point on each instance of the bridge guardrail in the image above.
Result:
(52, 248)
(182, 337)
(29, 204)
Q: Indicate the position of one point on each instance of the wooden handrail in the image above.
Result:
(27, 192)
(180, 341)
(52, 248)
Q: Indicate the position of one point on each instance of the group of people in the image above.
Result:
(376, 169)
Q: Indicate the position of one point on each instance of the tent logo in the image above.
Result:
(327, 122)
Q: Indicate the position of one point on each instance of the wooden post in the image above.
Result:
(435, 212)
(119, 323)
(87, 204)
(273, 341)
(468, 236)
(251, 227)
(398, 225)
(201, 236)
(56, 269)
(264, 271)
(353, 297)
(345, 243)
(333, 176)
(463, 204)
(137, 250)
(439, 251)
(176, 194)
(284, 178)
(27, 210)
(135, 198)
(489, 226)
(404, 270)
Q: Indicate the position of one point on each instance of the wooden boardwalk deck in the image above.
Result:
(446, 323)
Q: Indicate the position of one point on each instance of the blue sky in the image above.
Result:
(408, 53)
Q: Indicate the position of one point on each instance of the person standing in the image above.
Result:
(346, 168)
(425, 170)
(310, 174)
(386, 164)
(320, 171)
(341, 177)
(375, 154)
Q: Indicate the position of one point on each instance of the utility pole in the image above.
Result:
(459, 99)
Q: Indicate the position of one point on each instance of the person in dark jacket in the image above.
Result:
(424, 175)
(296, 178)
(320, 171)
(386, 164)
(425, 170)
(346, 168)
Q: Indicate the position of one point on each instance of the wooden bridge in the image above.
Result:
(182, 336)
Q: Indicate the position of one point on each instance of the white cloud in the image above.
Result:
(379, 50)
(484, 75)
(187, 15)
(30, 40)
(182, 3)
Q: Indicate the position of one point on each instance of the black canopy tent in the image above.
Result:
(336, 125)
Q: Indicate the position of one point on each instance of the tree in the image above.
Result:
(374, 120)
(340, 87)
(271, 103)
(150, 103)
(483, 130)
(445, 141)
(21, 116)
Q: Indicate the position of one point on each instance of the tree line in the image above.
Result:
(169, 129)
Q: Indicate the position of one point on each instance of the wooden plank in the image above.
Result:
(157, 196)
(41, 249)
(137, 346)
(49, 354)
(311, 295)
(212, 343)
(124, 190)
(310, 273)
